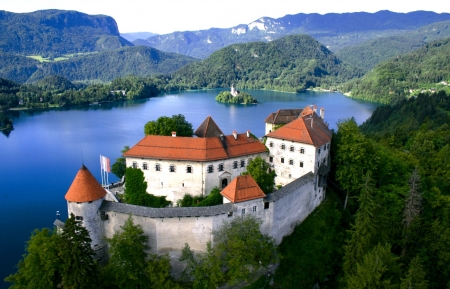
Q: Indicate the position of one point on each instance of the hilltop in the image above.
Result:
(57, 32)
(427, 68)
(367, 54)
(292, 63)
(333, 30)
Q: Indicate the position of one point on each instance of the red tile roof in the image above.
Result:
(241, 189)
(307, 129)
(195, 149)
(85, 188)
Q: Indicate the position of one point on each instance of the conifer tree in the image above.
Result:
(78, 268)
(415, 276)
(363, 231)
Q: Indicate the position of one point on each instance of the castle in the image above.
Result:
(298, 151)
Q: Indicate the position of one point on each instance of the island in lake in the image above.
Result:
(235, 96)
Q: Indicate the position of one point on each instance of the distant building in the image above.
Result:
(234, 92)
(280, 118)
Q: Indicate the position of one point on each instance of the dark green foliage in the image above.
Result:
(242, 98)
(16, 67)
(128, 251)
(392, 80)
(165, 125)
(56, 32)
(415, 276)
(313, 252)
(108, 65)
(119, 166)
(78, 268)
(40, 267)
(5, 122)
(136, 191)
(260, 171)
(378, 269)
(213, 199)
(292, 63)
(239, 253)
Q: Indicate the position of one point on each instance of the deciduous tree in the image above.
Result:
(260, 171)
(164, 125)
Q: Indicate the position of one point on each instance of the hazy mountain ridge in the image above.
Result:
(137, 35)
(57, 32)
(333, 30)
(367, 54)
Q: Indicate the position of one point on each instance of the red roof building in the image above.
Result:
(242, 189)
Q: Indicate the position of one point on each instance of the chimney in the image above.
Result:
(221, 137)
(322, 113)
(234, 134)
(248, 133)
(174, 133)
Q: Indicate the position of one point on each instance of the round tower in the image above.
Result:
(84, 198)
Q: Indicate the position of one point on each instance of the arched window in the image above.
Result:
(210, 169)
(135, 165)
(172, 168)
(302, 150)
(220, 167)
(145, 166)
(189, 170)
(158, 167)
(291, 148)
(283, 146)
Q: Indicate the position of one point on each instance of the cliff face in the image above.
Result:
(57, 32)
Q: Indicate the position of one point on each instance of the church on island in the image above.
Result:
(296, 147)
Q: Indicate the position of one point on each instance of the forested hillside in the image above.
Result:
(292, 63)
(57, 32)
(334, 30)
(96, 67)
(368, 54)
(427, 68)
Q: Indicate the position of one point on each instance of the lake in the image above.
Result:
(40, 158)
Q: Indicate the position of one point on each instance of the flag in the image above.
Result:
(104, 164)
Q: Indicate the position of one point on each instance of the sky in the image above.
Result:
(166, 16)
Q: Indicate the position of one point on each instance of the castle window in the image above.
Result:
(325, 147)
(242, 163)
(291, 162)
(189, 169)
(290, 175)
(158, 167)
(210, 169)
(220, 168)
(271, 159)
(319, 150)
(302, 150)
(254, 208)
(271, 144)
(235, 165)
(243, 211)
(291, 148)
(328, 146)
(172, 168)
(282, 160)
(230, 214)
(301, 164)
(266, 205)
(79, 218)
(325, 160)
(145, 166)
(283, 146)
(134, 165)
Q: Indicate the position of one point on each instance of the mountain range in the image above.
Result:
(333, 30)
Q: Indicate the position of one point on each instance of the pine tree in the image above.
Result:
(415, 276)
(363, 231)
(78, 268)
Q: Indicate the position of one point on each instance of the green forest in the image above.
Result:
(427, 68)
(241, 98)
